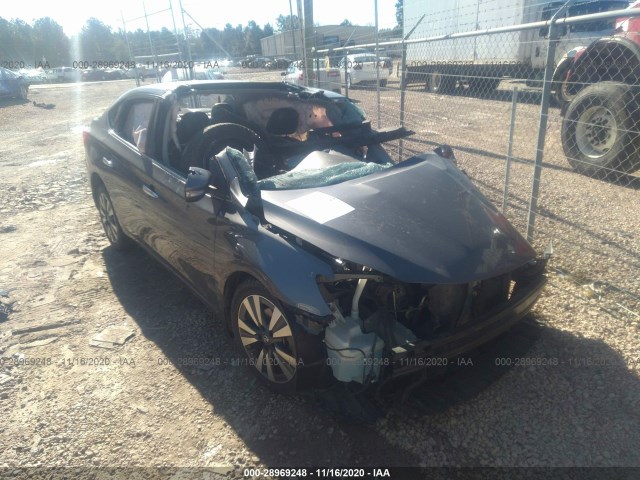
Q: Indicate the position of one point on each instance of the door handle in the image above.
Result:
(107, 162)
(148, 189)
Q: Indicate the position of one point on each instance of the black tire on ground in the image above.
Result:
(437, 82)
(559, 86)
(279, 352)
(109, 220)
(383, 83)
(565, 93)
(215, 138)
(599, 131)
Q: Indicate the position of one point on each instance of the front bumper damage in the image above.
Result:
(420, 326)
(409, 358)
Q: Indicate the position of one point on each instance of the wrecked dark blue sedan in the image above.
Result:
(280, 208)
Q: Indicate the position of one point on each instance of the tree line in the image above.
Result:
(44, 43)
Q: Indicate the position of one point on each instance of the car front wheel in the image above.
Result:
(274, 347)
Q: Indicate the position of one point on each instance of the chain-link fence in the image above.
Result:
(542, 115)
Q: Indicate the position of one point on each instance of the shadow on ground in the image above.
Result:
(310, 430)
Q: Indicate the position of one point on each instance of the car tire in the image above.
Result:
(278, 351)
(383, 83)
(599, 130)
(215, 138)
(109, 220)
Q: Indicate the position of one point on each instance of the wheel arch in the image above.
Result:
(595, 65)
(296, 287)
(230, 286)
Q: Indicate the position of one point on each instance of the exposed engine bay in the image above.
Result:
(377, 318)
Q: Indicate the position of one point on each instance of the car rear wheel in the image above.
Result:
(599, 130)
(274, 347)
(109, 220)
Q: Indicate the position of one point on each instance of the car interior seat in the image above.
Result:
(190, 124)
(283, 121)
(225, 113)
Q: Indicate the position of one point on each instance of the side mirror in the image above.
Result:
(243, 184)
(445, 151)
(197, 184)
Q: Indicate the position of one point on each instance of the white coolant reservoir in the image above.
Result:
(353, 355)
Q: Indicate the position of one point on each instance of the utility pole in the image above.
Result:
(186, 39)
(309, 40)
(293, 32)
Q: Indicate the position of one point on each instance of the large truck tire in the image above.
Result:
(483, 85)
(599, 130)
(438, 82)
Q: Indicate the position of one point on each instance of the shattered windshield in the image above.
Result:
(321, 177)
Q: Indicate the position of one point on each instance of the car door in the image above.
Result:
(181, 233)
(124, 164)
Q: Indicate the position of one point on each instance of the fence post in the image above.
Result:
(403, 84)
(544, 117)
(346, 73)
(507, 171)
(316, 65)
(375, 7)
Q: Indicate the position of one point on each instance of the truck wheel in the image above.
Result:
(560, 86)
(439, 83)
(480, 86)
(599, 129)
(564, 93)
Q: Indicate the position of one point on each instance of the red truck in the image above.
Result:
(601, 112)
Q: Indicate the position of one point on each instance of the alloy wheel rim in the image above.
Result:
(108, 218)
(267, 339)
(596, 132)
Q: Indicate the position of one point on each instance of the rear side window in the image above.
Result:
(134, 125)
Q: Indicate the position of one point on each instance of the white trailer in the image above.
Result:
(482, 61)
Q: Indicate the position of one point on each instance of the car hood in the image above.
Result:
(420, 221)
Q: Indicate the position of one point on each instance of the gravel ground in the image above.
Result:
(562, 389)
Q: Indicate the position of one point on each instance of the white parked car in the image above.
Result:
(361, 68)
(324, 77)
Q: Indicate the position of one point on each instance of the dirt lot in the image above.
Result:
(562, 389)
